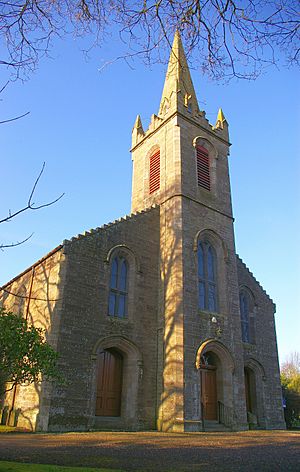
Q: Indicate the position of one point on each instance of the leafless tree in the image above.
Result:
(15, 117)
(226, 37)
(30, 205)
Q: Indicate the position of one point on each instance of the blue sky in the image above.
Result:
(80, 124)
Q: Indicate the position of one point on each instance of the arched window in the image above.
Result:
(154, 172)
(118, 293)
(244, 307)
(247, 317)
(207, 276)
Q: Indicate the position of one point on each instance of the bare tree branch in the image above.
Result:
(18, 243)
(257, 32)
(30, 203)
(14, 119)
(30, 206)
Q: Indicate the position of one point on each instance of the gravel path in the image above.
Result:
(257, 451)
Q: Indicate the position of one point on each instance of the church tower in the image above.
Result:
(157, 322)
(181, 164)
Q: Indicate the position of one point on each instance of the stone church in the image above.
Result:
(157, 321)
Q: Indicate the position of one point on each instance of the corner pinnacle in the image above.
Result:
(138, 124)
(221, 120)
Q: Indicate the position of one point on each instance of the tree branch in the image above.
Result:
(30, 203)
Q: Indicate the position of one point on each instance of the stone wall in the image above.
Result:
(261, 356)
(36, 295)
(86, 326)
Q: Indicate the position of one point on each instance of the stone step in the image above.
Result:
(215, 426)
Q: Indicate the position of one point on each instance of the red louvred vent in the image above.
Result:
(203, 168)
(154, 180)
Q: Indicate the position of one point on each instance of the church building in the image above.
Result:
(158, 323)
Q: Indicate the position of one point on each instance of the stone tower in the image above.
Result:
(192, 188)
(157, 322)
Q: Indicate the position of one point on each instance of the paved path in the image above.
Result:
(257, 451)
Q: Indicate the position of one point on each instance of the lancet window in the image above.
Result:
(207, 277)
(247, 311)
(118, 292)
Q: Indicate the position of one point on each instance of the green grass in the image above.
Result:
(20, 467)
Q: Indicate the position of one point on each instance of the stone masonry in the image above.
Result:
(166, 342)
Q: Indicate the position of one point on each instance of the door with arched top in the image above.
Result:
(109, 383)
(209, 393)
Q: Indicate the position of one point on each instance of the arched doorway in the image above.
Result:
(254, 375)
(215, 365)
(116, 374)
(250, 390)
(109, 383)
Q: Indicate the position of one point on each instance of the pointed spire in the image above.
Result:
(178, 92)
(137, 131)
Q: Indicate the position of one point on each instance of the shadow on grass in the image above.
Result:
(19, 467)
(263, 451)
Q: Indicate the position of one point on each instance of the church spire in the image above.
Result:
(178, 92)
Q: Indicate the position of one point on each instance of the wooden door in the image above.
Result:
(247, 390)
(109, 384)
(209, 393)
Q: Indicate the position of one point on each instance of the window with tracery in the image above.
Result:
(207, 279)
(118, 290)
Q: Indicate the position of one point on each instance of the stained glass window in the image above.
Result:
(117, 303)
(244, 307)
(201, 295)
(207, 276)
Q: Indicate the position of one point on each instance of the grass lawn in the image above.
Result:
(19, 467)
